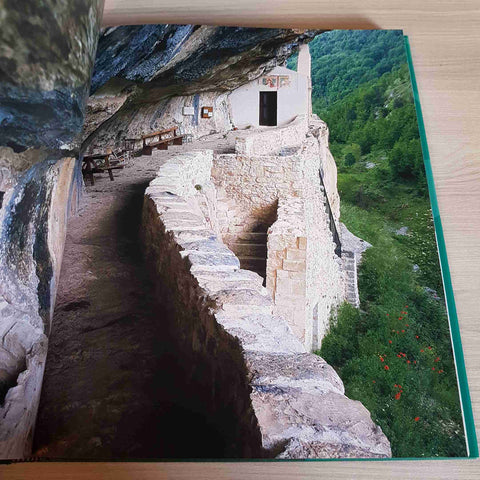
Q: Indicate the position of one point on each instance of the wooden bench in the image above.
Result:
(164, 138)
(89, 166)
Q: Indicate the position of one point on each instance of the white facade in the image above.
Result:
(292, 97)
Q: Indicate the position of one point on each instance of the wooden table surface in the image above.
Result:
(445, 43)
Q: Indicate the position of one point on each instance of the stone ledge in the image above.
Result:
(332, 425)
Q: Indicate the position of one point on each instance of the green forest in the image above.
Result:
(394, 353)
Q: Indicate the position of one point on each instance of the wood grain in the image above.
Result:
(445, 42)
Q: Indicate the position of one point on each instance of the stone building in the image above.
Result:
(274, 99)
(279, 218)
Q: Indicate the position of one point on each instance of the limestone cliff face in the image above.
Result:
(144, 75)
(187, 59)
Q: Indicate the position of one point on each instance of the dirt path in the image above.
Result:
(113, 385)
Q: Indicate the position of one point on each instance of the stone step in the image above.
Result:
(253, 263)
(254, 237)
(257, 265)
(245, 249)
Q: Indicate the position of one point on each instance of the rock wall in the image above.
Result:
(276, 400)
(144, 75)
(33, 228)
(273, 140)
(166, 60)
(133, 121)
(46, 57)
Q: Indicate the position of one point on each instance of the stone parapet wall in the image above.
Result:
(272, 398)
(272, 140)
(324, 279)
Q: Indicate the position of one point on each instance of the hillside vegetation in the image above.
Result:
(394, 354)
(344, 59)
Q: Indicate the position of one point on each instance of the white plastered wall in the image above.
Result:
(292, 99)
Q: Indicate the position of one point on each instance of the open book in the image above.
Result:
(217, 243)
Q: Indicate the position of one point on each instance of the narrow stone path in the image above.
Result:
(113, 385)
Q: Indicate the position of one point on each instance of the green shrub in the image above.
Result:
(349, 159)
(394, 356)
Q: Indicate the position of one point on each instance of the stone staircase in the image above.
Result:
(352, 250)
(351, 287)
(251, 250)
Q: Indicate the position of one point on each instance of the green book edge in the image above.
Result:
(465, 400)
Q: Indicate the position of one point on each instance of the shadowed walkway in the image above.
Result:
(114, 386)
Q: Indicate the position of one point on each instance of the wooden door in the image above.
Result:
(268, 108)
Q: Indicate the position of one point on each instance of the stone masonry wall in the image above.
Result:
(250, 184)
(273, 398)
(271, 140)
(287, 263)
